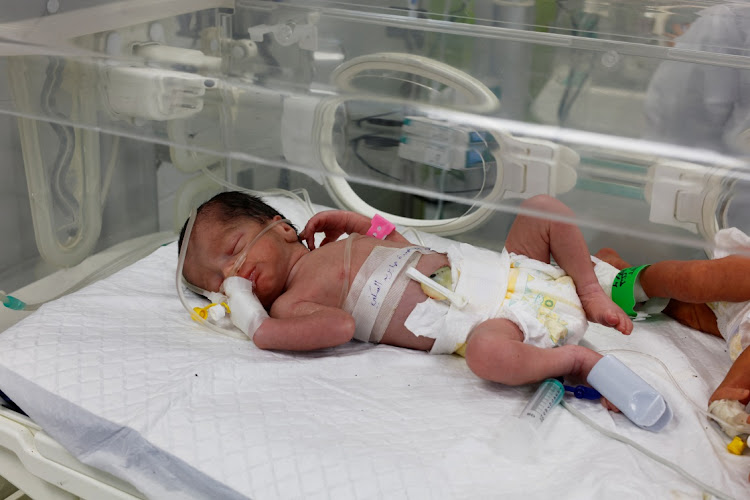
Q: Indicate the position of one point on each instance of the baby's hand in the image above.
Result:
(247, 311)
(333, 223)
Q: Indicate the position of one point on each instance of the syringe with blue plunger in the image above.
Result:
(622, 387)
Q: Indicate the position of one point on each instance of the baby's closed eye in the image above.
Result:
(235, 247)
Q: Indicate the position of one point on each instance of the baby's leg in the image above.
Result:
(495, 351)
(540, 238)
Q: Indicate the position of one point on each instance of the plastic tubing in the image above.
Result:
(241, 259)
(617, 437)
(674, 381)
(180, 279)
(613, 435)
(179, 282)
(16, 304)
(88, 214)
(13, 303)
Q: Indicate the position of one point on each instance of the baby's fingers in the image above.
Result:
(308, 237)
(730, 393)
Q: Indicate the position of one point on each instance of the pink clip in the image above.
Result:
(380, 227)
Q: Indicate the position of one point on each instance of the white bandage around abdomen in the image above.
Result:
(247, 313)
(377, 288)
(483, 281)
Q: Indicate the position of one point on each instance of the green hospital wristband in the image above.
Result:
(622, 289)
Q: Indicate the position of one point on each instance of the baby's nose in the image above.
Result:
(233, 266)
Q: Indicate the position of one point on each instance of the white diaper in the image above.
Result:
(481, 276)
(541, 300)
(732, 318)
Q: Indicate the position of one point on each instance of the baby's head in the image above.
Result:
(223, 241)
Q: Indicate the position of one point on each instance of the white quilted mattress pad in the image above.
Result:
(119, 375)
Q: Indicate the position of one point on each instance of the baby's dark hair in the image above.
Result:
(230, 205)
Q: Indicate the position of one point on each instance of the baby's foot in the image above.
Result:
(600, 309)
(612, 258)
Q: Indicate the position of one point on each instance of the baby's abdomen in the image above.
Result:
(396, 333)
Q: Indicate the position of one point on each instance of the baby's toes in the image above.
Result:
(624, 323)
(618, 320)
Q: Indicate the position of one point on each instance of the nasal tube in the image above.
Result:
(246, 311)
(241, 258)
(180, 280)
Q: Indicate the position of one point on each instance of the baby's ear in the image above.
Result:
(290, 235)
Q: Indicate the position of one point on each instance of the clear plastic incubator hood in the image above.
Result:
(119, 117)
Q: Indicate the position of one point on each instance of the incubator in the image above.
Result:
(121, 116)
(442, 115)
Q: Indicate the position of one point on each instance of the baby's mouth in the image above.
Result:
(251, 276)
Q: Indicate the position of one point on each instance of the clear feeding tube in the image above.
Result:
(180, 280)
(241, 258)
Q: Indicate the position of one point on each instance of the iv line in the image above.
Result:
(676, 384)
(618, 437)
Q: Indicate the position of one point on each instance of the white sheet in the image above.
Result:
(120, 375)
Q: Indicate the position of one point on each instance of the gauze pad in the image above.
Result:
(247, 313)
(733, 414)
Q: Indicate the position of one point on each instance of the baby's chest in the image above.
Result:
(321, 282)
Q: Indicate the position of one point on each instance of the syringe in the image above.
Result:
(546, 397)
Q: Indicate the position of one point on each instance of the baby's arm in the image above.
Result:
(304, 326)
(334, 223)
